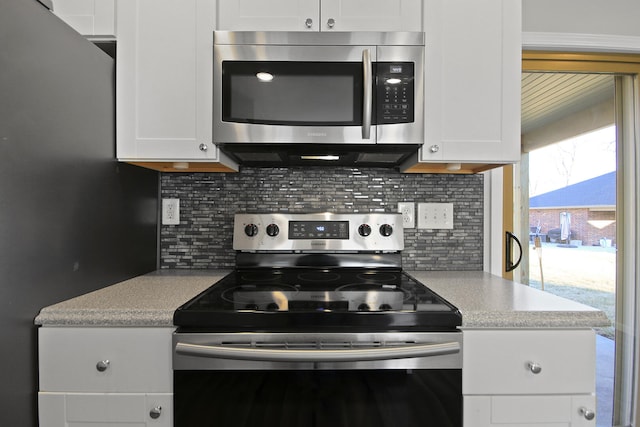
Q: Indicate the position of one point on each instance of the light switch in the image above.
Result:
(435, 215)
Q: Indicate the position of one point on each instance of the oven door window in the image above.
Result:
(292, 93)
(354, 398)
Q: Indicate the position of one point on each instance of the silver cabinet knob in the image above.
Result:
(534, 367)
(434, 148)
(203, 147)
(331, 22)
(102, 365)
(155, 412)
(308, 23)
(588, 414)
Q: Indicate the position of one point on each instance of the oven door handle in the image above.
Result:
(348, 355)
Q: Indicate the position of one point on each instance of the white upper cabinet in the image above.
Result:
(472, 71)
(371, 15)
(260, 15)
(472, 81)
(163, 81)
(320, 15)
(92, 18)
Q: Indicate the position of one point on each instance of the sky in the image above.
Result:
(573, 160)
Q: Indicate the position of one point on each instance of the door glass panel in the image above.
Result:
(569, 179)
(292, 93)
(341, 398)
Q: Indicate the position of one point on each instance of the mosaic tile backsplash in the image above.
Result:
(203, 240)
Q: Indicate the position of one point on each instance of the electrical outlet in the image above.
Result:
(408, 211)
(435, 215)
(170, 211)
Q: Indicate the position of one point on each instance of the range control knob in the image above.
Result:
(273, 230)
(386, 230)
(363, 307)
(364, 230)
(251, 230)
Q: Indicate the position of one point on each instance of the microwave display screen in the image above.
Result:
(292, 93)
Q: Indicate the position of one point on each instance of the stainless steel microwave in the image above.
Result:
(287, 97)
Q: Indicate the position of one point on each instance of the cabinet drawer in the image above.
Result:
(527, 411)
(105, 359)
(498, 362)
(88, 409)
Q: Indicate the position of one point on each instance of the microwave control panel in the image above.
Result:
(395, 92)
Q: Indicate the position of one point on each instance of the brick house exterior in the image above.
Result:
(592, 207)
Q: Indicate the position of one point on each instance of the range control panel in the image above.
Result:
(318, 232)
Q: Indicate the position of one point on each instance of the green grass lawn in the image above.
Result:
(584, 274)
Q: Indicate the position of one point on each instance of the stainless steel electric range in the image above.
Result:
(318, 310)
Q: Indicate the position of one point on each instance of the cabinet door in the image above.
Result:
(88, 17)
(320, 15)
(527, 411)
(91, 410)
(276, 15)
(472, 84)
(371, 15)
(164, 80)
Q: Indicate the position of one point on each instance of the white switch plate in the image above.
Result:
(435, 215)
(408, 211)
(170, 211)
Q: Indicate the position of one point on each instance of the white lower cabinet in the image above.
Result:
(106, 409)
(529, 411)
(99, 377)
(526, 378)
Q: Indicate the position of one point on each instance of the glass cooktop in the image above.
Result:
(290, 299)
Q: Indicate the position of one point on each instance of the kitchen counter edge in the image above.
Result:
(147, 300)
(485, 301)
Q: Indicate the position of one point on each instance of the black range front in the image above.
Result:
(318, 326)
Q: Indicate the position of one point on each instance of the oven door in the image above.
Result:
(385, 379)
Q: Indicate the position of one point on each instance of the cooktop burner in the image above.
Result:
(290, 298)
(318, 272)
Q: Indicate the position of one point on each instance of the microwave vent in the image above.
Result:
(258, 157)
(391, 158)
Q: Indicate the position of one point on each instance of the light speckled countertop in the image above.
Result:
(485, 301)
(147, 300)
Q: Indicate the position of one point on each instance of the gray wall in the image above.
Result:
(618, 17)
(71, 219)
(208, 201)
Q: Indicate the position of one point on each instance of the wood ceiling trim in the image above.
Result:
(542, 61)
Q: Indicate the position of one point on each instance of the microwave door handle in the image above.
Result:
(367, 104)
